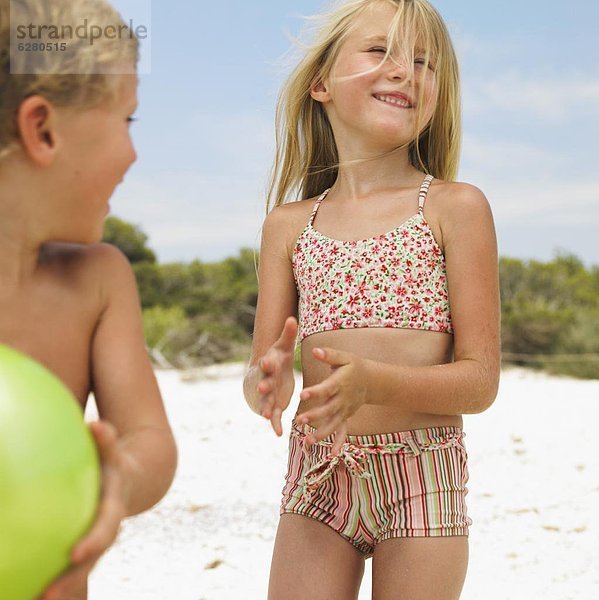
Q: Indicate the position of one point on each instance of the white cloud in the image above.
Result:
(209, 211)
(495, 77)
(529, 182)
(187, 215)
(471, 48)
(547, 202)
(244, 143)
(515, 159)
(547, 98)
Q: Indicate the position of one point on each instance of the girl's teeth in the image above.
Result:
(393, 100)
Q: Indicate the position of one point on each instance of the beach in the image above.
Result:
(533, 496)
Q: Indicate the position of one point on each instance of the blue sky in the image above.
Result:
(530, 76)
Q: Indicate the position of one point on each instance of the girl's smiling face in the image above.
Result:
(375, 98)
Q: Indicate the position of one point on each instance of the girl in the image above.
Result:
(369, 137)
(68, 301)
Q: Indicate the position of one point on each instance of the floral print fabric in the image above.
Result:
(397, 279)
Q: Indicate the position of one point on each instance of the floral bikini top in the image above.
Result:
(397, 279)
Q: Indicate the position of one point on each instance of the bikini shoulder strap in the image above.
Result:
(423, 192)
(316, 205)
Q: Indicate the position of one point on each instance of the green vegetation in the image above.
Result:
(199, 313)
(130, 239)
(550, 315)
(196, 313)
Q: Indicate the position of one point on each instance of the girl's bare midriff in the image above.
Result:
(406, 347)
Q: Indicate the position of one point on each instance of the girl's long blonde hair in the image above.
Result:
(306, 160)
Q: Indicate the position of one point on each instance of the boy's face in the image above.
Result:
(96, 152)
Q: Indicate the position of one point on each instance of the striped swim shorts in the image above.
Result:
(381, 486)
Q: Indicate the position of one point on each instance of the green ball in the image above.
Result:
(49, 476)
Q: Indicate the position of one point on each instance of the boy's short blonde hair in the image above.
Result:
(77, 78)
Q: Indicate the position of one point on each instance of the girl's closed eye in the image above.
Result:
(422, 61)
(418, 61)
(132, 120)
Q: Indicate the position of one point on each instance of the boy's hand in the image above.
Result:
(278, 382)
(340, 395)
(110, 513)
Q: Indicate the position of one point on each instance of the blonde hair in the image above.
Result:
(81, 77)
(306, 160)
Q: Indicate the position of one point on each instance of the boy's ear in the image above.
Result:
(36, 122)
(319, 92)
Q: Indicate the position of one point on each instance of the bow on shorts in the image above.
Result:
(354, 457)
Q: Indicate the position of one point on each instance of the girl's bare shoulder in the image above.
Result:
(452, 205)
(448, 198)
(450, 201)
(286, 222)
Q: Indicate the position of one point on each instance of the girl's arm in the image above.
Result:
(468, 385)
(277, 301)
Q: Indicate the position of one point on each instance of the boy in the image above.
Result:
(67, 300)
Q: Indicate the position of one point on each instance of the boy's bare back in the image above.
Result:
(64, 300)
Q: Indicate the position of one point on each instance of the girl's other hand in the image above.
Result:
(278, 382)
(111, 511)
(339, 396)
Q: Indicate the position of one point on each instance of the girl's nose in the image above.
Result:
(397, 68)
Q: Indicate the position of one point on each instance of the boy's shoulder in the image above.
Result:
(91, 268)
(84, 259)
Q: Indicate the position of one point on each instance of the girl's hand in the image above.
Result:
(341, 395)
(110, 513)
(278, 382)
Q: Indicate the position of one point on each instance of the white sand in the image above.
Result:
(534, 495)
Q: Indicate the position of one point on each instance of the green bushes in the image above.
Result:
(195, 313)
(550, 315)
(130, 239)
(200, 313)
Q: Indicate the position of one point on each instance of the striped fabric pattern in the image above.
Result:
(381, 486)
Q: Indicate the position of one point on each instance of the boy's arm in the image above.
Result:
(125, 387)
(134, 440)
